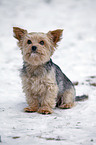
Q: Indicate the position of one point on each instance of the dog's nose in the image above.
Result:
(34, 48)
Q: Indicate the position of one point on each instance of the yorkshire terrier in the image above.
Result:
(44, 84)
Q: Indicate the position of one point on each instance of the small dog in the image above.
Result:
(44, 84)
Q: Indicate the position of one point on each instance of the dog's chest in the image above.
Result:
(40, 84)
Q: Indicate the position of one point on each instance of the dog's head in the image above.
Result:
(37, 48)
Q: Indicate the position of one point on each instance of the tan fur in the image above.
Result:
(43, 52)
(39, 85)
(40, 91)
(67, 99)
(19, 33)
(55, 35)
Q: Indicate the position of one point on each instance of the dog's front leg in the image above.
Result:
(33, 104)
(48, 100)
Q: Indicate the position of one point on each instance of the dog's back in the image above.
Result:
(63, 83)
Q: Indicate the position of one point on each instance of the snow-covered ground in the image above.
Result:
(76, 55)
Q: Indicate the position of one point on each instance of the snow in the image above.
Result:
(76, 55)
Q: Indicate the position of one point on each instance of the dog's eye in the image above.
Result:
(29, 42)
(41, 42)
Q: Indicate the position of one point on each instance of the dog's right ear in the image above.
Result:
(55, 36)
(19, 33)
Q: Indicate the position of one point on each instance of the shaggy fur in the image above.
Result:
(44, 84)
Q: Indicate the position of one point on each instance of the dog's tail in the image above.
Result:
(81, 98)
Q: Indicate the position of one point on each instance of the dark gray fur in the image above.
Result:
(62, 81)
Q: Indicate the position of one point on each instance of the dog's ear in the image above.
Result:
(55, 35)
(19, 33)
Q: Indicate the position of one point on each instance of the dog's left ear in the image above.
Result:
(55, 35)
(19, 33)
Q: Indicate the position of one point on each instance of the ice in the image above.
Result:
(76, 55)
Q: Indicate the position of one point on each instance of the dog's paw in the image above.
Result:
(66, 106)
(30, 109)
(45, 110)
